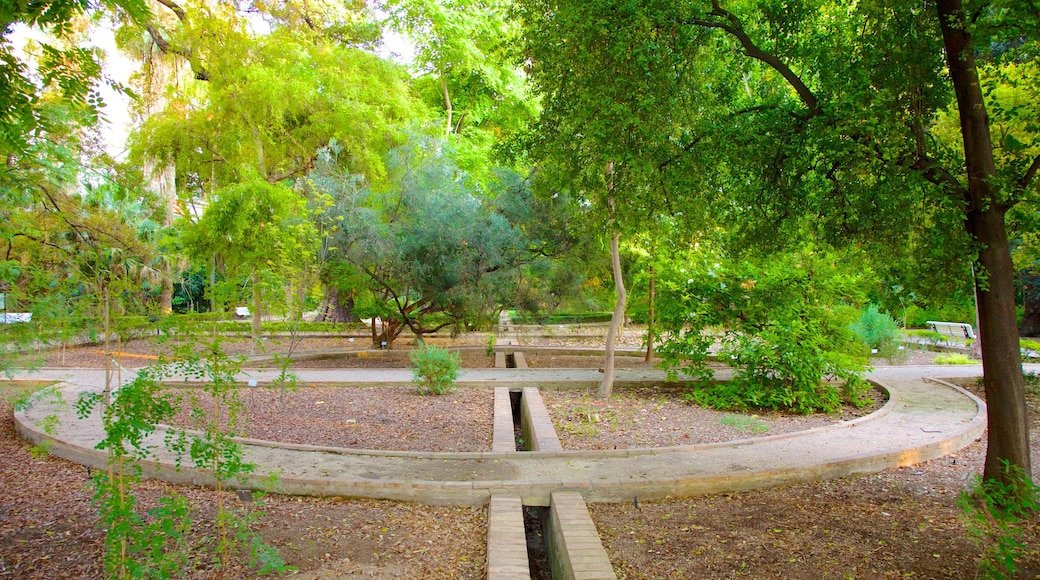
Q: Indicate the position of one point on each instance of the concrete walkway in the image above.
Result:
(922, 420)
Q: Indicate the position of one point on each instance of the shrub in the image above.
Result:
(784, 368)
(1032, 381)
(434, 369)
(929, 336)
(782, 323)
(878, 331)
(953, 359)
(1028, 346)
(996, 515)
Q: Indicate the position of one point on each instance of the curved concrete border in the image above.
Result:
(921, 421)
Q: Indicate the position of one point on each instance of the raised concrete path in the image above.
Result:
(921, 421)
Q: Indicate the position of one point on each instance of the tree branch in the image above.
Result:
(1027, 177)
(166, 48)
(735, 28)
(933, 172)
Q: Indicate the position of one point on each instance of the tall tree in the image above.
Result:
(254, 227)
(788, 137)
(64, 71)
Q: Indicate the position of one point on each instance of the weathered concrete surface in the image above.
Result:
(922, 420)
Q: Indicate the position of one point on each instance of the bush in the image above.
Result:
(784, 368)
(878, 331)
(434, 369)
(562, 318)
(782, 323)
(929, 336)
(953, 359)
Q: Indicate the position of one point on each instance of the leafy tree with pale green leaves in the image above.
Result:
(59, 86)
(254, 227)
(271, 103)
(467, 67)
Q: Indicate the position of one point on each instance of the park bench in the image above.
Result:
(242, 311)
(952, 329)
(13, 317)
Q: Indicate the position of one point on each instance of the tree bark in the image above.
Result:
(447, 103)
(163, 182)
(985, 220)
(337, 307)
(650, 327)
(606, 386)
(255, 327)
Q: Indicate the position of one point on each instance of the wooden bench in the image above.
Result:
(953, 329)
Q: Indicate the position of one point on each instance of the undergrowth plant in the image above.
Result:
(879, 332)
(929, 336)
(782, 323)
(994, 514)
(749, 423)
(434, 369)
(129, 414)
(953, 359)
(1032, 381)
(214, 448)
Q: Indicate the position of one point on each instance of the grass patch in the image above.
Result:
(17, 392)
(953, 359)
(745, 423)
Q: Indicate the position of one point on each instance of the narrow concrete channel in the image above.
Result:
(556, 542)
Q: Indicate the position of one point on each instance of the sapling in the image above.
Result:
(434, 369)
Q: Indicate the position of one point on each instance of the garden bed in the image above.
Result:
(385, 418)
(659, 416)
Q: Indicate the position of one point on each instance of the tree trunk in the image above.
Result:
(447, 103)
(998, 333)
(607, 385)
(255, 327)
(391, 329)
(337, 307)
(1030, 325)
(650, 329)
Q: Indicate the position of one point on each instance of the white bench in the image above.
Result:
(242, 311)
(13, 317)
(953, 329)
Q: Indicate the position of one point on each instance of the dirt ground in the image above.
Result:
(899, 523)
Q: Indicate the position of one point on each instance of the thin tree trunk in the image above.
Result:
(447, 103)
(255, 328)
(650, 328)
(998, 334)
(606, 386)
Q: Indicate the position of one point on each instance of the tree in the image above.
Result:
(433, 253)
(986, 206)
(787, 138)
(254, 227)
(272, 102)
(600, 134)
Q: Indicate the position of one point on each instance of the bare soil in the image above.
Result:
(660, 416)
(49, 528)
(899, 523)
(386, 418)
